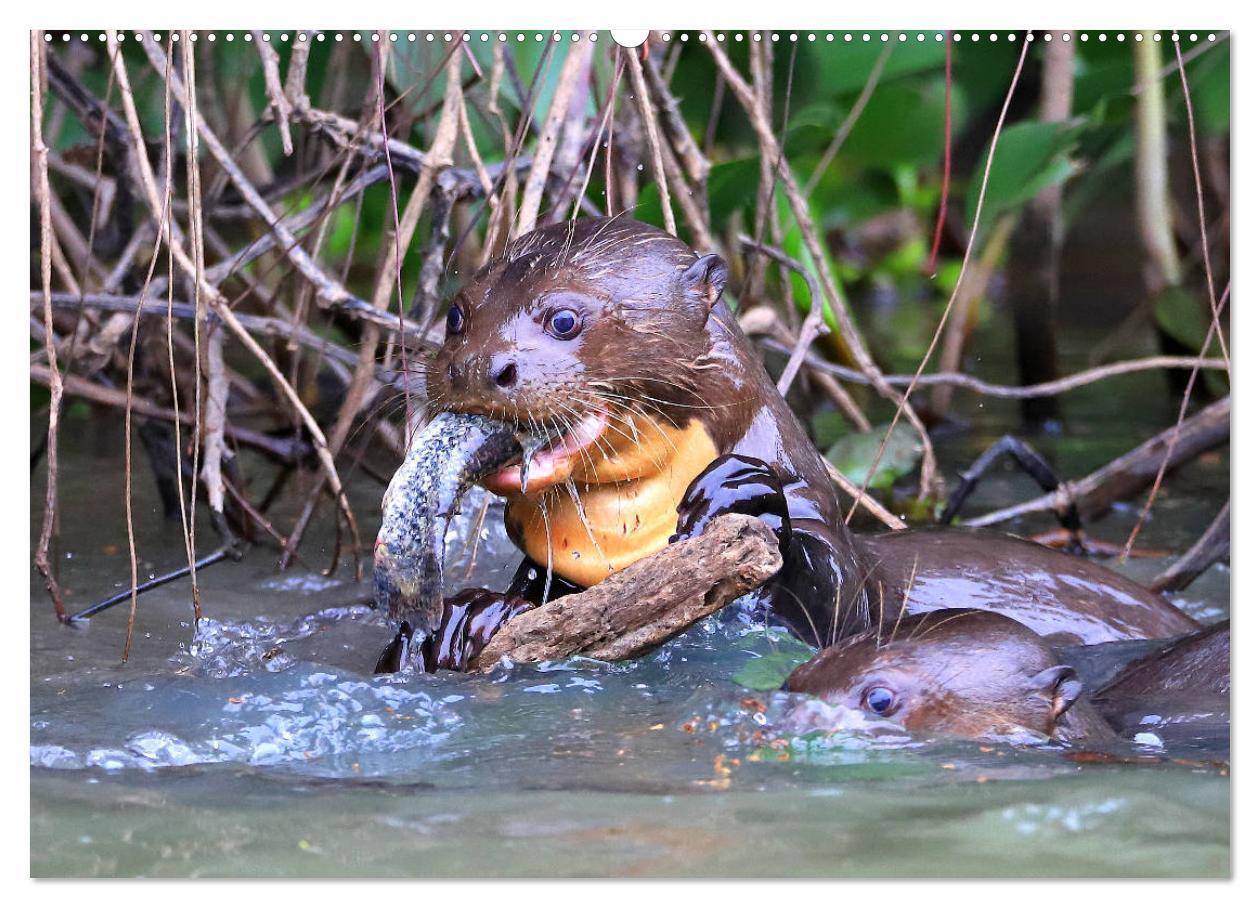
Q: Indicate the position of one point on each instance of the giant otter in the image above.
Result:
(959, 672)
(612, 336)
(1196, 664)
(980, 674)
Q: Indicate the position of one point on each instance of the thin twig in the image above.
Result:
(648, 117)
(330, 290)
(576, 64)
(213, 296)
(1012, 392)
(947, 166)
(849, 332)
(1181, 416)
(286, 451)
(275, 92)
(851, 118)
(813, 325)
(1198, 196)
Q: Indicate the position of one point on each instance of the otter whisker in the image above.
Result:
(586, 524)
(928, 626)
(905, 599)
(836, 624)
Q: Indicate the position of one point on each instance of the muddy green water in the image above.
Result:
(258, 744)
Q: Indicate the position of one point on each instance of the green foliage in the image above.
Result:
(853, 454)
(1029, 157)
(769, 671)
(1185, 317)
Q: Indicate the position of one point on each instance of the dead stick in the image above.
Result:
(213, 558)
(217, 301)
(575, 66)
(1131, 472)
(988, 389)
(275, 93)
(648, 116)
(813, 324)
(651, 601)
(1211, 547)
(39, 160)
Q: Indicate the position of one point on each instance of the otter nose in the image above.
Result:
(504, 374)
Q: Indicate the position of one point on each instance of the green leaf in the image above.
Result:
(1210, 91)
(853, 454)
(732, 187)
(1029, 157)
(768, 672)
(829, 427)
(903, 124)
(844, 67)
(1184, 316)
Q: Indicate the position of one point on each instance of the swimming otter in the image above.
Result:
(1196, 664)
(960, 672)
(610, 337)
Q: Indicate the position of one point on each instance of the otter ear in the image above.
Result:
(1060, 687)
(705, 279)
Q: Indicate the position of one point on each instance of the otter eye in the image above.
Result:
(455, 319)
(880, 700)
(564, 323)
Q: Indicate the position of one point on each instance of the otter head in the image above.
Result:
(955, 671)
(571, 333)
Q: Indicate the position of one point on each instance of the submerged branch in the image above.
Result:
(1131, 472)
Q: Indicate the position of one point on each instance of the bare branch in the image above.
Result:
(39, 164)
(280, 105)
(576, 65)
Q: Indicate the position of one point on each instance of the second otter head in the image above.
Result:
(954, 671)
(569, 332)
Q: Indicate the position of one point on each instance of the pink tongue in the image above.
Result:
(580, 436)
(543, 465)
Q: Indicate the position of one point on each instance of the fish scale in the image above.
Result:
(445, 459)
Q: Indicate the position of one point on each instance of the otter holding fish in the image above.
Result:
(616, 404)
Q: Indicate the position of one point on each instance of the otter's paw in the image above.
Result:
(733, 484)
(469, 619)
(403, 653)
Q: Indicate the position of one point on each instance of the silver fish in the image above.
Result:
(451, 453)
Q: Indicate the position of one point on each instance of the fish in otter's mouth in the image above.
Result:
(453, 452)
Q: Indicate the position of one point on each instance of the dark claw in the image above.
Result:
(469, 620)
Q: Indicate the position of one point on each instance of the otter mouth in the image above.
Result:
(549, 460)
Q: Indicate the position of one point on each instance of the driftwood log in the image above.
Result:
(647, 603)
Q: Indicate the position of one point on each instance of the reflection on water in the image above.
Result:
(259, 744)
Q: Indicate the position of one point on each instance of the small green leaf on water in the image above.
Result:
(768, 672)
(853, 454)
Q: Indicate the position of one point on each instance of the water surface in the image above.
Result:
(259, 744)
